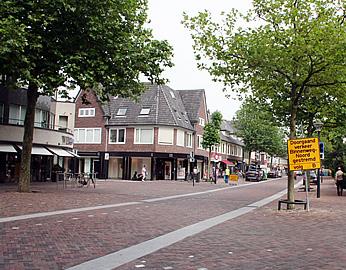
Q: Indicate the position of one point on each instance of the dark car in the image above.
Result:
(313, 177)
(273, 174)
(254, 174)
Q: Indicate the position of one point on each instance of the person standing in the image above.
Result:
(227, 173)
(144, 173)
(338, 181)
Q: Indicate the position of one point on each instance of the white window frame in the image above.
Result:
(144, 112)
(86, 112)
(201, 122)
(121, 112)
(189, 140)
(138, 129)
(223, 151)
(117, 130)
(162, 138)
(199, 141)
(77, 137)
(182, 133)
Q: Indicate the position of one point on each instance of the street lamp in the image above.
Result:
(318, 126)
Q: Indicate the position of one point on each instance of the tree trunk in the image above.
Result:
(24, 177)
(209, 162)
(290, 182)
(271, 162)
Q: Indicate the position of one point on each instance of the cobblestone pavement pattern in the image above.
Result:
(262, 239)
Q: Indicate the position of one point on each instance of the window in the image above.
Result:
(201, 122)
(145, 111)
(144, 136)
(117, 136)
(122, 111)
(41, 118)
(223, 148)
(199, 141)
(63, 120)
(166, 135)
(16, 114)
(180, 137)
(87, 135)
(189, 140)
(86, 112)
(240, 152)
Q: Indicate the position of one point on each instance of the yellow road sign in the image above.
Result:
(304, 154)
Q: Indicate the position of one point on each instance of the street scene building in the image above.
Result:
(161, 131)
(53, 137)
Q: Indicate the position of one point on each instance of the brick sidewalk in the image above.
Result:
(266, 239)
(262, 239)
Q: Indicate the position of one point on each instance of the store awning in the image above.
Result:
(60, 152)
(7, 148)
(72, 153)
(227, 162)
(38, 150)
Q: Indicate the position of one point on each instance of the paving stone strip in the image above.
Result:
(83, 209)
(134, 252)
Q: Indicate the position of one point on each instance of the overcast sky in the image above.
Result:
(166, 17)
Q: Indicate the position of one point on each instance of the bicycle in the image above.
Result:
(84, 179)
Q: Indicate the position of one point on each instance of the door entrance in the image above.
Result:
(168, 169)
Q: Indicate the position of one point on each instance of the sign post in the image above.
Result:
(304, 154)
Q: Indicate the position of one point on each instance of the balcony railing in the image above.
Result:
(42, 124)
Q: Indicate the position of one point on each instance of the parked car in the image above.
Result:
(313, 177)
(273, 174)
(254, 174)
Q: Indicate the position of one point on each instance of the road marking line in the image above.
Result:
(100, 206)
(68, 211)
(134, 252)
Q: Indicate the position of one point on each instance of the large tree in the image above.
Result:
(100, 44)
(291, 49)
(258, 129)
(211, 135)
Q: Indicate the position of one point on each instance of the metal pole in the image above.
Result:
(318, 173)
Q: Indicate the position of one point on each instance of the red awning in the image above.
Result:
(227, 162)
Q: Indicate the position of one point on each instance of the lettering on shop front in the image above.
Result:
(303, 154)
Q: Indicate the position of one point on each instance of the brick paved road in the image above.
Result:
(262, 239)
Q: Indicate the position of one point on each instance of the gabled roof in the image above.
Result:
(192, 100)
(227, 125)
(165, 104)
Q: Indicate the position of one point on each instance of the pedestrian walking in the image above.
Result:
(339, 175)
(144, 173)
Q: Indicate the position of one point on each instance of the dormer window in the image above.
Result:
(145, 111)
(122, 112)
